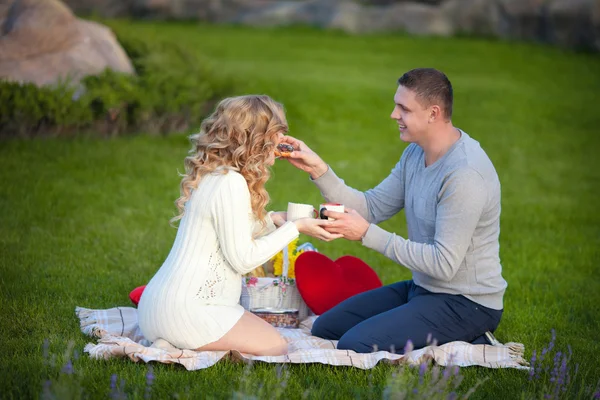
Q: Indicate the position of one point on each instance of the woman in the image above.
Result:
(193, 300)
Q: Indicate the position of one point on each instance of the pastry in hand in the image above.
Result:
(283, 150)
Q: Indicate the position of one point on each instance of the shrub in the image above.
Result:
(172, 91)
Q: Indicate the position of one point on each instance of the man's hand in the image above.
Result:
(304, 158)
(279, 218)
(350, 224)
(314, 227)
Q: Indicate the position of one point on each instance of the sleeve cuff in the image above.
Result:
(377, 238)
(328, 183)
(270, 225)
(290, 229)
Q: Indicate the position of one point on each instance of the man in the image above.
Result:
(450, 192)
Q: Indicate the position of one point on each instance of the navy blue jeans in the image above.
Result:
(387, 317)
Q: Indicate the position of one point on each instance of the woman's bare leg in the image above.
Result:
(251, 335)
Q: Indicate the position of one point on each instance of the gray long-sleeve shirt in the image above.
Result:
(453, 214)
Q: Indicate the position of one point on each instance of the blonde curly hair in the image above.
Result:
(241, 133)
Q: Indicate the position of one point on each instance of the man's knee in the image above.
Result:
(323, 328)
(356, 342)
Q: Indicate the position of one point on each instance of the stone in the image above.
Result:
(568, 23)
(416, 19)
(474, 17)
(524, 19)
(44, 43)
(595, 45)
(572, 23)
(349, 17)
(104, 8)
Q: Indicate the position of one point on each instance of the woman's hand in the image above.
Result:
(304, 158)
(315, 228)
(279, 218)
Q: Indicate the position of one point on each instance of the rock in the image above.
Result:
(317, 13)
(568, 23)
(524, 19)
(44, 43)
(350, 17)
(416, 19)
(596, 25)
(390, 2)
(572, 23)
(104, 8)
(474, 17)
(280, 13)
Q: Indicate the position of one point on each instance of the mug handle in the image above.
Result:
(321, 216)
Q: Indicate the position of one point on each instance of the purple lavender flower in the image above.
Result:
(446, 373)
(46, 348)
(113, 381)
(150, 376)
(422, 370)
(532, 370)
(68, 368)
(452, 396)
(596, 395)
(551, 345)
(149, 380)
(409, 346)
(563, 373)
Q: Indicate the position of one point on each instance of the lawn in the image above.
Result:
(85, 221)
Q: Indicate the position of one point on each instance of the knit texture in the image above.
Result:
(452, 210)
(194, 298)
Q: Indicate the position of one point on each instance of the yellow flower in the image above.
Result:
(292, 255)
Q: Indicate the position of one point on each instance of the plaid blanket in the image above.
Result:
(119, 335)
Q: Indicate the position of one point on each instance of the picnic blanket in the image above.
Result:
(119, 335)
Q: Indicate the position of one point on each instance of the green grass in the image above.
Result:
(84, 221)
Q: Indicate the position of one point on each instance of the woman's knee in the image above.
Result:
(275, 347)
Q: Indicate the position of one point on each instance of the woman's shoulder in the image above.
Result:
(228, 177)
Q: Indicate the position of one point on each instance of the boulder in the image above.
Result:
(596, 25)
(568, 23)
(44, 43)
(416, 19)
(524, 19)
(572, 23)
(474, 17)
(105, 8)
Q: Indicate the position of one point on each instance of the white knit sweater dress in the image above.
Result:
(194, 297)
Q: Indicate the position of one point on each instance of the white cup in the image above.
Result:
(296, 211)
(331, 207)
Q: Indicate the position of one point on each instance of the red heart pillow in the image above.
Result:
(324, 283)
(136, 294)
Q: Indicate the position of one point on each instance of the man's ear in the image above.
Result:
(435, 113)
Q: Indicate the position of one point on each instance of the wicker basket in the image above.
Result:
(275, 293)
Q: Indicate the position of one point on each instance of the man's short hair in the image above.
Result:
(431, 87)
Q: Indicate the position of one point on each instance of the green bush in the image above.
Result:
(172, 91)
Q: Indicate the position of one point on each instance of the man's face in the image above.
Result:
(410, 115)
